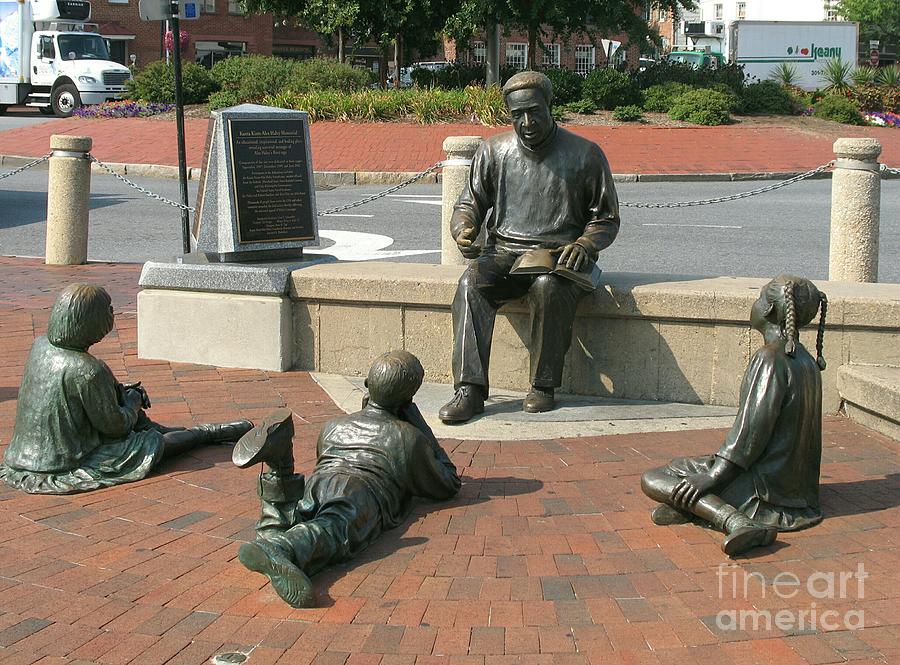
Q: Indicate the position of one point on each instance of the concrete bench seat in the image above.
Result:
(871, 395)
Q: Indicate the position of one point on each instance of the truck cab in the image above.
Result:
(70, 69)
(697, 58)
(67, 64)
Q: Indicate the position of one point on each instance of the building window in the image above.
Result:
(517, 55)
(551, 55)
(234, 7)
(741, 11)
(663, 15)
(208, 6)
(585, 59)
(718, 10)
(831, 12)
(479, 53)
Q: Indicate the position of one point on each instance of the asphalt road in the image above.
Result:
(17, 116)
(783, 231)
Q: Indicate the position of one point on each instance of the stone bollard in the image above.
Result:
(855, 210)
(460, 150)
(68, 200)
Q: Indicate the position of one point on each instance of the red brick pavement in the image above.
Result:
(547, 556)
(409, 147)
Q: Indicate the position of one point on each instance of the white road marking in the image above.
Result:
(343, 214)
(696, 226)
(357, 246)
(431, 203)
(414, 196)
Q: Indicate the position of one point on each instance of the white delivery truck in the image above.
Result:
(761, 46)
(52, 59)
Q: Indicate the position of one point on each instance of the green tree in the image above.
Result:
(560, 18)
(878, 19)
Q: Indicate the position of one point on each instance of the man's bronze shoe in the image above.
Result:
(467, 402)
(289, 582)
(539, 400)
(270, 442)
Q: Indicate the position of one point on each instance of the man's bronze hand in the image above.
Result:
(573, 256)
(465, 240)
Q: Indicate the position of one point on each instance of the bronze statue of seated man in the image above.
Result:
(765, 477)
(77, 428)
(370, 465)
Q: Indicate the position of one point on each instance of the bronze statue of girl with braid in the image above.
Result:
(765, 477)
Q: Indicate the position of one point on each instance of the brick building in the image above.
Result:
(576, 53)
(222, 30)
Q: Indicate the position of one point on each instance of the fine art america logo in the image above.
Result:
(737, 583)
(814, 52)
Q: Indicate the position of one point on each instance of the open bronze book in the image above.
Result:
(543, 261)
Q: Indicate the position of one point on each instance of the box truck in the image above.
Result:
(761, 46)
(51, 58)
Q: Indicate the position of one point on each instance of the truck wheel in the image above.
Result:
(64, 100)
(2, 109)
(46, 110)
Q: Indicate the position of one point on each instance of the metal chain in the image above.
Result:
(431, 169)
(732, 197)
(26, 167)
(146, 192)
(887, 169)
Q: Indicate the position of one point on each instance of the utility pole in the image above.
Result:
(179, 128)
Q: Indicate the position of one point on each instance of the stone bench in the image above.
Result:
(658, 337)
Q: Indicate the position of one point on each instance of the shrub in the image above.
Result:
(422, 105)
(659, 98)
(223, 99)
(839, 109)
(890, 98)
(629, 113)
(785, 73)
(836, 75)
(868, 97)
(608, 88)
(702, 107)
(889, 76)
(156, 83)
(681, 72)
(567, 85)
(329, 74)
(864, 75)
(251, 77)
(456, 75)
(767, 97)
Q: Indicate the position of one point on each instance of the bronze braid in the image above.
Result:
(820, 334)
(790, 319)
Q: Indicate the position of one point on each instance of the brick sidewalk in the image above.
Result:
(547, 556)
(408, 147)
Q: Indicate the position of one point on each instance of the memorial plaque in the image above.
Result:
(269, 181)
(257, 195)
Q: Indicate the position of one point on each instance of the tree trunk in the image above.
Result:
(398, 51)
(492, 54)
(340, 44)
(532, 49)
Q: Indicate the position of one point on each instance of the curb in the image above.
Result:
(343, 178)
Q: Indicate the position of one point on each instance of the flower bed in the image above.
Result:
(883, 119)
(123, 109)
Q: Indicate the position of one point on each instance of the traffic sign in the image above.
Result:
(874, 56)
(161, 10)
